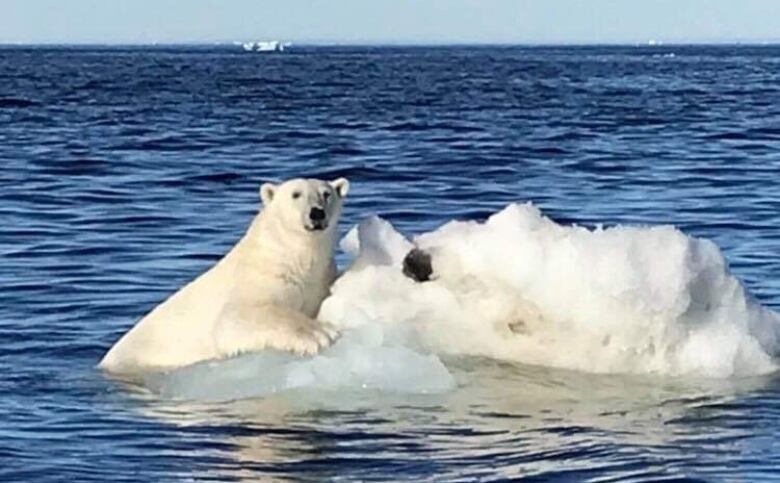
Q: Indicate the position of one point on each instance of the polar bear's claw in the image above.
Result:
(311, 340)
(323, 340)
(305, 347)
(331, 331)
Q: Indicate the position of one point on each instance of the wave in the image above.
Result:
(15, 102)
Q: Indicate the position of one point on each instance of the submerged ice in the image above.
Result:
(364, 358)
(518, 287)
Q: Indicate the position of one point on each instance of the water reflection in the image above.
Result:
(503, 420)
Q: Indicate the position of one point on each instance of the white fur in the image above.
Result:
(265, 293)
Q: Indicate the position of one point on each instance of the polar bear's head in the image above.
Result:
(306, 205)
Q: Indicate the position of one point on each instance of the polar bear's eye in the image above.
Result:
(326, 195)
(296, 195)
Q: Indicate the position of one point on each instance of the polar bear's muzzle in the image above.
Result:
(318, 219)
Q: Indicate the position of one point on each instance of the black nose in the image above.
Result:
(317, 214)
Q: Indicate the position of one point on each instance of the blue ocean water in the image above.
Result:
(128, 171)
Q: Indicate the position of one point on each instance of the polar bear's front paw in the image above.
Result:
(311, 339)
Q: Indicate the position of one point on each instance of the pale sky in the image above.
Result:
(389, 21)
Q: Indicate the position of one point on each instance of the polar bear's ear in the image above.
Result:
(267, 191)
(341, 186)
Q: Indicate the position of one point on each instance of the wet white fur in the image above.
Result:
(265, 293)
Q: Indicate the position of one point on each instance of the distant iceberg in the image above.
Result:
(267, 46)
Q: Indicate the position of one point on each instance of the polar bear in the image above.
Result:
(265, 293)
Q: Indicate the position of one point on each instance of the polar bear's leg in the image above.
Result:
(271, 327)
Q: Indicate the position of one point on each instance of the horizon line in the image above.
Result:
(402, 43)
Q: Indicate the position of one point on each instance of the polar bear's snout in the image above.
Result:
(318, 218)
